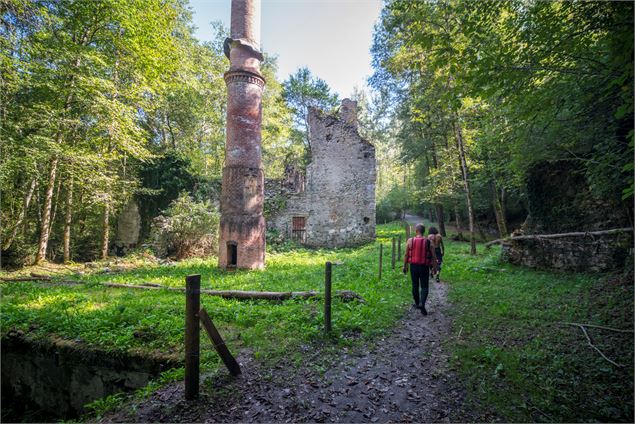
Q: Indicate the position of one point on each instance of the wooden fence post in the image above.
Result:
(407, 231)
(399, 258)
(218, 343)
(192, 335)
(327, 297)
(381, 254)
(392, 256)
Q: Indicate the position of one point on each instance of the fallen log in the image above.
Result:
(344, 295)
(560, 235)
(23, 279)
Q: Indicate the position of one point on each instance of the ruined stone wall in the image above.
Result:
(128, 228)
(604, 252)
(56, 378)
(338, 201)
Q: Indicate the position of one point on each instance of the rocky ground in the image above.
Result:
(403, 377)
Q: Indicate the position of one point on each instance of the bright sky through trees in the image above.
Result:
(331, 37)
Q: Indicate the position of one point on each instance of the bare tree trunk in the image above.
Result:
(45, 225)
(438, 207)
(55, 203)
(25, 207)
(498, 210)
(457, 218)
(106, 238)
(67, 222)
(466, 182)
(46, 211)
(440, 218)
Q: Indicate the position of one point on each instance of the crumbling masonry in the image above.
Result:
(334, 206)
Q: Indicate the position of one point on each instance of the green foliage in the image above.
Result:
(302, 91)
(517, 359)
(186, 228)
(108, 318)
(120, 100)
(393, 205)
(162, 180)
(526, 82)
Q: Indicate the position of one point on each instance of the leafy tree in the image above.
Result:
(301, 91)
(94, 94)
(500, 87)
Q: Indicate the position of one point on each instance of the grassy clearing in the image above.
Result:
(125, 320)
(517, 361)
(516, 358)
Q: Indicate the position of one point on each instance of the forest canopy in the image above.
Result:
(483, 92)
(494, 114)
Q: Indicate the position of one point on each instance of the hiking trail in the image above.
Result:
(403, 377)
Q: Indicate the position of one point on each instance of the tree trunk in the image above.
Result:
(106, 238)
(437, 206)
(466, 183)
(46, 211)
(498, 210)
(457, 218)
(25, 207)
(48, 201)
(440, 218)
(67, 222)
(55, 203)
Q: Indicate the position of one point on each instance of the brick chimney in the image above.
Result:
(242, 225)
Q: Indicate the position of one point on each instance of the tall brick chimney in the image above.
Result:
(242, 224)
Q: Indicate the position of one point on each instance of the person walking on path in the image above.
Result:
(439, 249)
(420, 256)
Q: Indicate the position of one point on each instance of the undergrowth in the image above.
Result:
(519, 358)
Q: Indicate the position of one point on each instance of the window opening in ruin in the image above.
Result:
(232, 254)
(366, 220)
(298, 232)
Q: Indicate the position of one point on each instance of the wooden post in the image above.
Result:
(392, 256)
(218, 343)
(407, 231)
(399, 258)
(327, 297)
(381, 254)
(192, 335)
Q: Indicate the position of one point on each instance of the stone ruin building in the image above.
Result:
(333, 205)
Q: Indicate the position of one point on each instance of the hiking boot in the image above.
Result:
(438, 279)
(423, 310)
(414, 305)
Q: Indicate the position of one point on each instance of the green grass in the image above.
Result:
(152, 321)
(516, 357)
(517, 361)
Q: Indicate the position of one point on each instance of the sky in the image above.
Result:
(331, 37)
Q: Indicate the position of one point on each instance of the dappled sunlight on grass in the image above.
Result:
(153, 320)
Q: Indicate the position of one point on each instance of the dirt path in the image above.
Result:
(404, 378)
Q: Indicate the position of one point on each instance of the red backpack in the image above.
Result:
(420, 251)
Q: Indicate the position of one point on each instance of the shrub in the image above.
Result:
(187, 228)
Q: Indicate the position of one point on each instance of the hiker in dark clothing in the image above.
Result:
(421, 257)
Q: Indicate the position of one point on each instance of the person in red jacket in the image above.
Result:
(421, 257)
